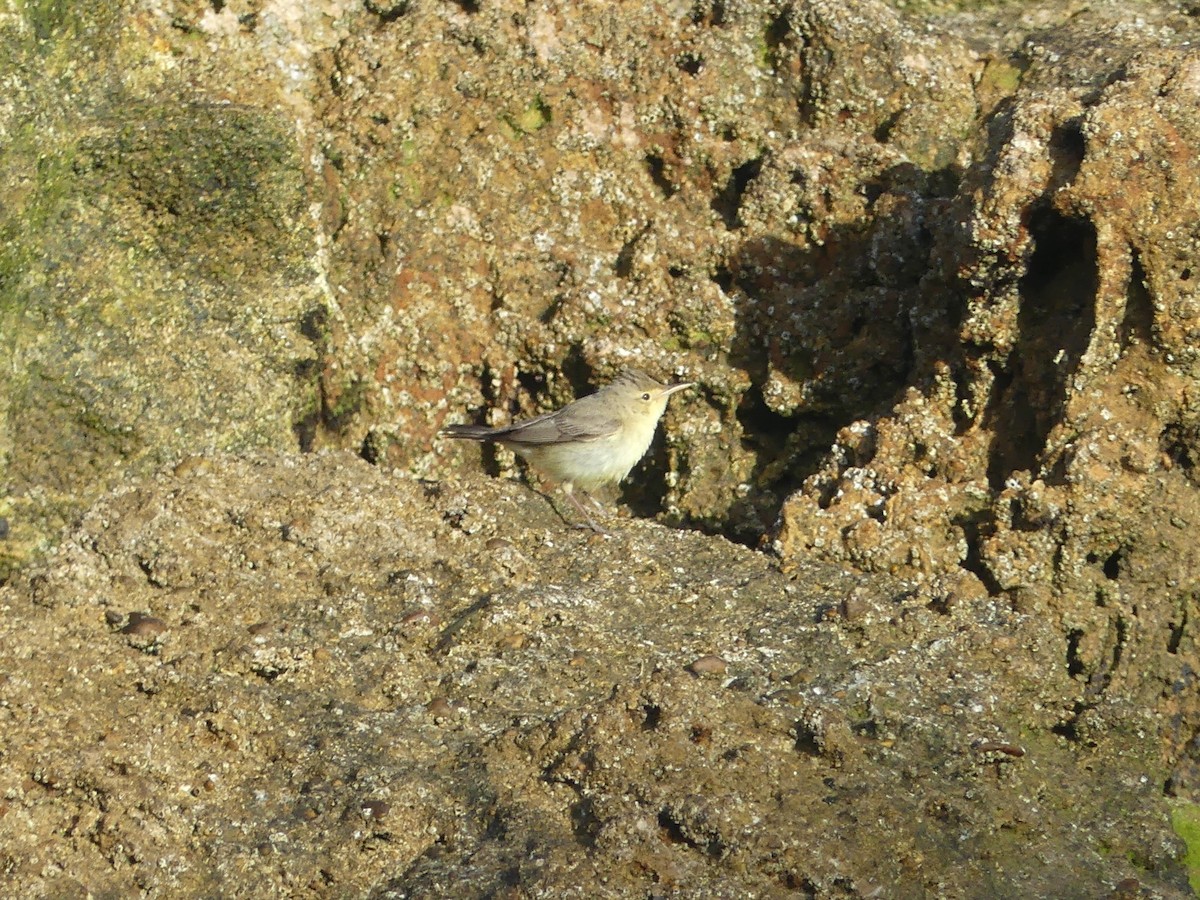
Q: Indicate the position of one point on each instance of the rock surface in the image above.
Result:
(302, 675)
(933, 270)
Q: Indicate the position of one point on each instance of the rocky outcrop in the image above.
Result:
(304, 675)
(933, 277)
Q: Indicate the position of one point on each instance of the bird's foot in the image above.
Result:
(588, 521)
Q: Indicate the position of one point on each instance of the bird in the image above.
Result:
(591, 442)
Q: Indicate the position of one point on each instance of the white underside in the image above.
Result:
(590, 464)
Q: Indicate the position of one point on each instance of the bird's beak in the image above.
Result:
(670, 389)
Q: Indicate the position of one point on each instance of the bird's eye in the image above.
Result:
(646, 396)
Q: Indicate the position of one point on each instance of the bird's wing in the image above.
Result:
(557, 427)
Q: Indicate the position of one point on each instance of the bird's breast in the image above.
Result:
(590, 464)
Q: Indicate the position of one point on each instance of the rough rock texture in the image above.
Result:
(1051, 459)
(644, 182)
(934, 277)
(470, 200)
(154, 272)
(304, 676)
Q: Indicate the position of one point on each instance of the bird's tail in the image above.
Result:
(469, 432)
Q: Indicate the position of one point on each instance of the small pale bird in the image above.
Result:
(592, 442)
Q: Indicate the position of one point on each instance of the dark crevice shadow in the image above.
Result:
(843, 332)
(656, 168)
(1137, 325)
(729, 200)
(1067, 147)
(1056, 319)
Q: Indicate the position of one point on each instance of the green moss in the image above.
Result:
(531, 119)
(216, 189)
(64, 31)
(1185, 820)
(764, 56)
(106, 209)
(1000, 77)
(34, 214)
(345, 407)
(224, 166)
(52, 18)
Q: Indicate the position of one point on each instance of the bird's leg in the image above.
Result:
(567, 488)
